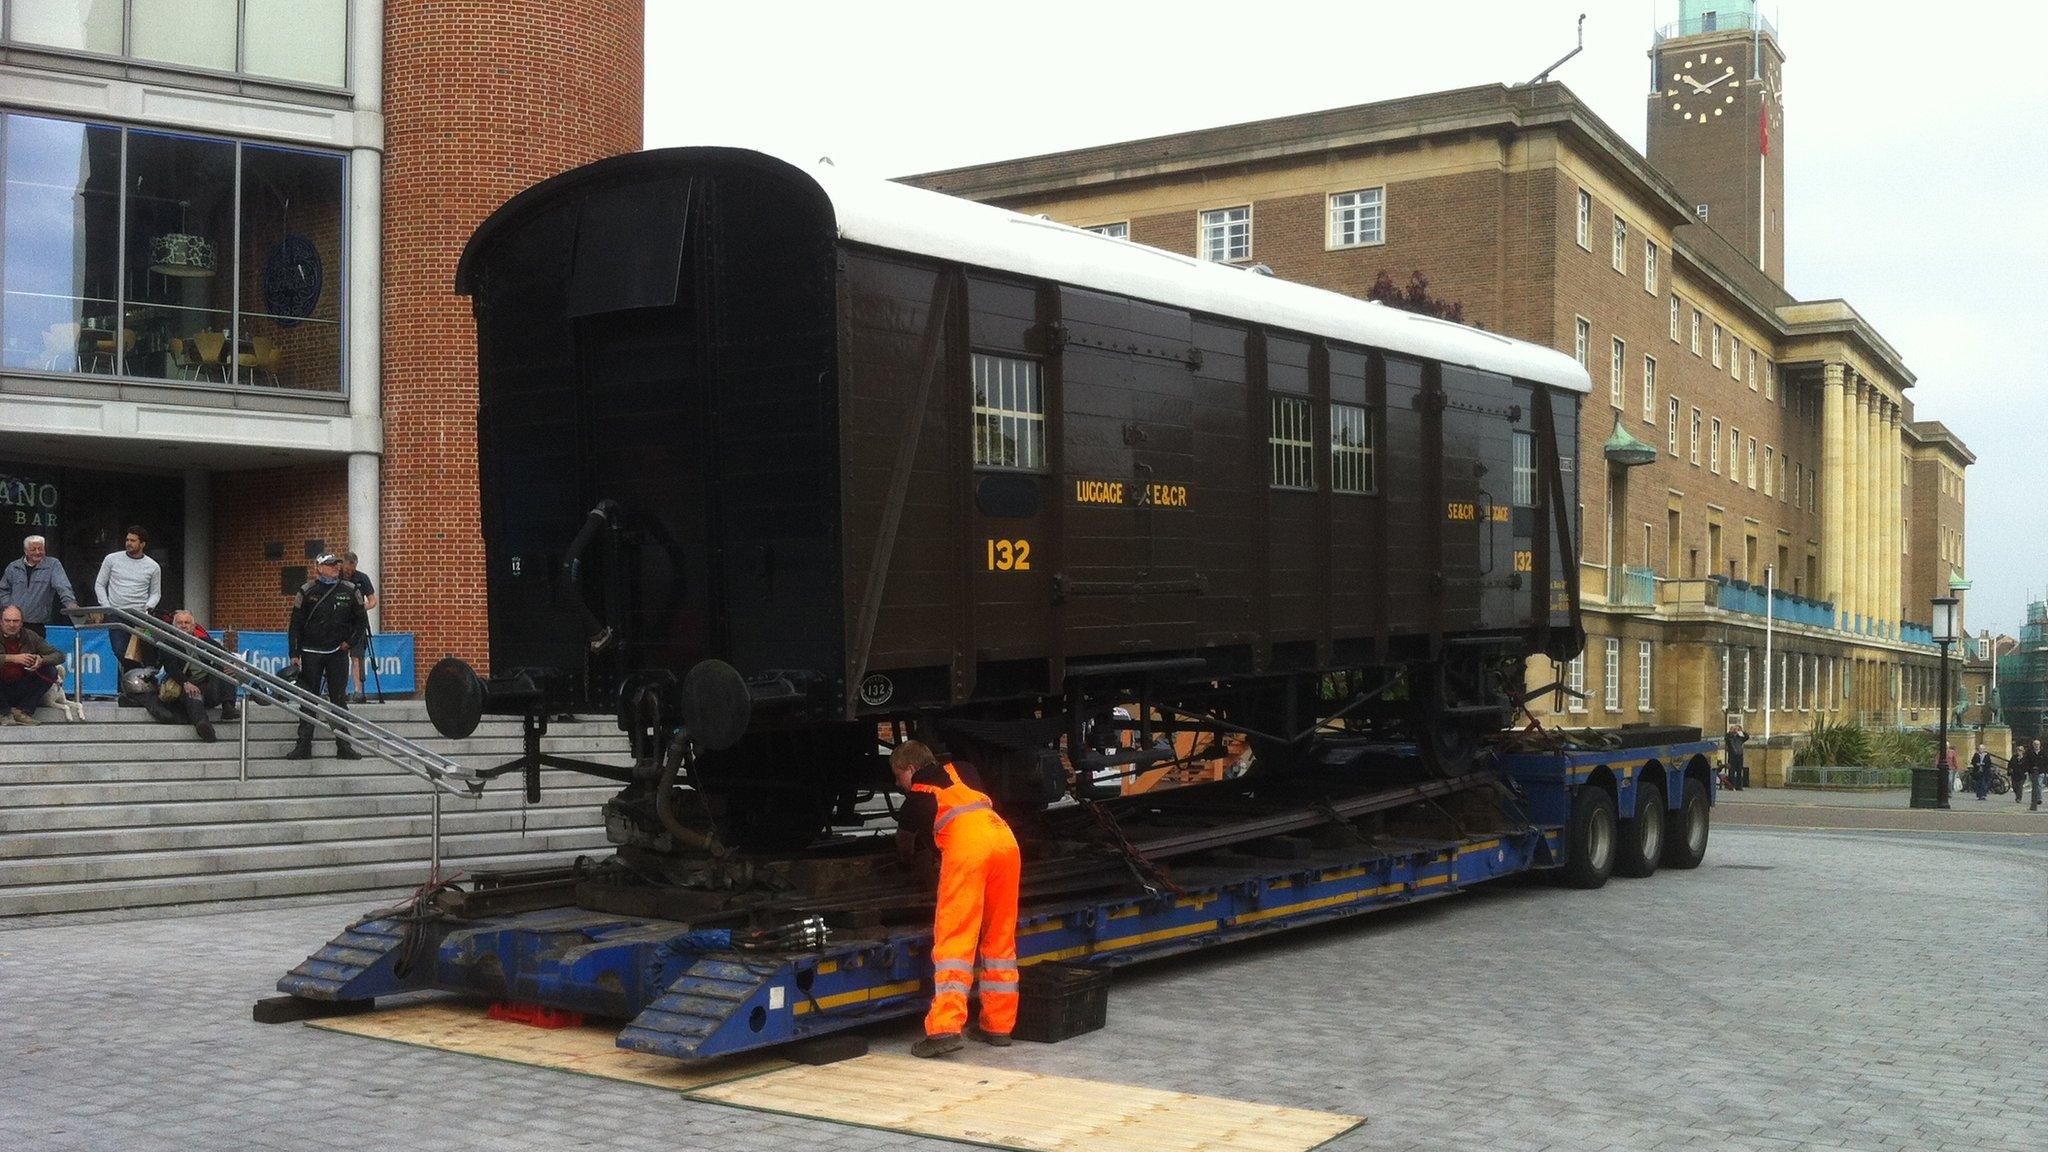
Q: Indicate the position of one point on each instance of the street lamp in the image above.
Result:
(1944, 629)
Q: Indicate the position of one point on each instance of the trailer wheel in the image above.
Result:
(1642, 839)
(1685, 831)
(1589, 840)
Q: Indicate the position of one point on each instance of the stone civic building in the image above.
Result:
(1792, 480)
(227, 305)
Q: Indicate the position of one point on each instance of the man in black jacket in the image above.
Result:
(1738, 765)
(2022, 763)
(328, 622)
(1980, 771)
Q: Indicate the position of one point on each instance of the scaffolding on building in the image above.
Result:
(2023, 677)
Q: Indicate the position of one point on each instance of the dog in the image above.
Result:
(73, 710)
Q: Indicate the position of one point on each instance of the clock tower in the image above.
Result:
(1717, 123)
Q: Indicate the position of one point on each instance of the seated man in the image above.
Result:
(31, 666)
(189, 685)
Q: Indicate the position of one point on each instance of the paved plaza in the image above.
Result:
(1804, 989)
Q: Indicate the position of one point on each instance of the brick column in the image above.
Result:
(1833, 491)
(482, 99)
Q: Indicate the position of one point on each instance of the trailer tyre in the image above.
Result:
(1685, 831)
(1642, 839)
(1589, 840)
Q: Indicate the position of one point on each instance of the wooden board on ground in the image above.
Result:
(1025, 1110)
(592, 1049)
(949, 1099)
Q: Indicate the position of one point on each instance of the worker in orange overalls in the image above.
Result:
(978, 870)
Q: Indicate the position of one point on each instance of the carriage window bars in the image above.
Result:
(1352, 437)
(1009, 413)
(1293, 443)
(1525, 469)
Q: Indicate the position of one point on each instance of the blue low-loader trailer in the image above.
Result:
(1580, 811)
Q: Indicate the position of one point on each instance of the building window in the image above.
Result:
(1674, 319)
(1695, 331)
(298, 41)
(1726, 699)
(1357, 218)
(1525, 469)
(1752, 463)
(1694, 441)
(1643, 675)
(1748, 686)
(1650, 389)
(1121, 230)
(1799, 682)
(1671, 427)
(1227, 234)
(1735, 454)
(1784, 698)
(1650, 267)
(1353, 435)
(1617, 371)
(1735, 360)
(1714, 448)
(1770, 381)
(1782, 490)
(1585, 219)
(1620, 245)
(1770, 456)
(143, 281)
(1610, 689)
(1716, 346)
(1292, 441)
(1009, 413)
(1575, 682)
(1582, 345)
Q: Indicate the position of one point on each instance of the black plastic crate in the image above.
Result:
(1056, 1001)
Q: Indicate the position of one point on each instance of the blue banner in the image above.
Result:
(392, 675)
(100, 672)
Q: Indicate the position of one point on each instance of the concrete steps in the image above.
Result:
(121, 811)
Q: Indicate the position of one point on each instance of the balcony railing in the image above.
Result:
(1717, 22)
(1638, 589)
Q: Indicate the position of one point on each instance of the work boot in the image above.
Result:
(343, 752)
(229, 712)
(940, 1045)
(303, 750)
(992, 1039)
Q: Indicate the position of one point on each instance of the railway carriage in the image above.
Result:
(771, 455)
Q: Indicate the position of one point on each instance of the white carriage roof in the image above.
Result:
(890, 215)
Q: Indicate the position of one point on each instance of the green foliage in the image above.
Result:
(1850, 745)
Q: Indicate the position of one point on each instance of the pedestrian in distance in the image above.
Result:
(1738, 767)
(368, 588)
(328, 622)
(38, 585)
(28, 668)
(2036, 768)
(130, 579)
(1980, 771)
(2016, 769)
(945, 809)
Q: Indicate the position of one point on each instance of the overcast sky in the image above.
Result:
(1908, 130)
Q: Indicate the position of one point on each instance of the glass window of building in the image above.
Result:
(1610, 696)
(1650, 389)
(1575, 680)
(1227, 234)
(158, 275)
(1121, 230)
(194, 33)
(1617, 371)
(81, 25)
(1645, 675)
(1357, 218)
(303, 40)
(1585, 218)
(1583, 340)
(292, 223)
(179, 275)
(60, 247)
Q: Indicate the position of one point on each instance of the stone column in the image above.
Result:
(1894, 533)
(1855, 435)
(1833, 540)
(1871, 506)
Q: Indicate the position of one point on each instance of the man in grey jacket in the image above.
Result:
(38, 585)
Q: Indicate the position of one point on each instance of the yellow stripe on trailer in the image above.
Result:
(825, 1003)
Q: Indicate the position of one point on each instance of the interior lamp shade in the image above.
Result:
(181, 254)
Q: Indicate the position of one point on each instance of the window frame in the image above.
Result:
(1751, 462)
(1202, 233)
(1026, 418)
(1367, 454)
(1695, 331)
(1671, 413)
(1610, 688)
(1694, 440)
(1582, 340)
(1102, 229)
(1301, 453)
(239, 72)
(1617, 371)
(1330, 241)
(1717, 344)
(1649, 389)
(1619, 257)
(1646, 675)
(1651, 279)
(1575, 680)
(1714, 447)
(1770, 465)
(1522, 468)
(1675, 309)
(1585, 232)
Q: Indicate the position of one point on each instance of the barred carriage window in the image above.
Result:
(1353, 434)
(1525, 469)
(1293, 443)
(1357, 218)
(1009, 413)
(1227, 234)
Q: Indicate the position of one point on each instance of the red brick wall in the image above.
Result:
(287, 506)
(482, 99)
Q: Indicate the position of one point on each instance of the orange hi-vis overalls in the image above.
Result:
(978, 870)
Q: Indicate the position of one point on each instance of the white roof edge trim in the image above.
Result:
(886, 214)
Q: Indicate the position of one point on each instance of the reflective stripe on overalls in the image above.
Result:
(978, 872)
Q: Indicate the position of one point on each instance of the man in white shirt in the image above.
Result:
(129, 579)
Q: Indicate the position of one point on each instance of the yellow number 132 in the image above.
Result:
(1009, 555)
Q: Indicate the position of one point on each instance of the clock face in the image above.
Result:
(1701, 88)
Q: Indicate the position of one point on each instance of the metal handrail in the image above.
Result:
(267, 687)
